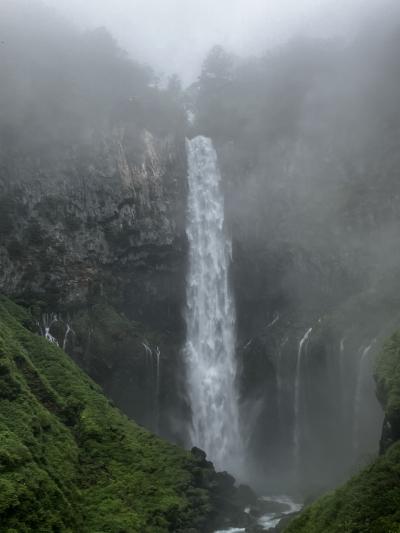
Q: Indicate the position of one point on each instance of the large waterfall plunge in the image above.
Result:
(210, 314)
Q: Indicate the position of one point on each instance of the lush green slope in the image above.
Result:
(370, 501)
(70, 461)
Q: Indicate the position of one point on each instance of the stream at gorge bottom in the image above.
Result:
(274, 509)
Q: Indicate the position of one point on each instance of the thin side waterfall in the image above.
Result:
(67, 332)
(297, 401)
(273, 322)
(341, 357)
(342, 375)
(157, 391)
(153, 363)
(48, 320)
(280, 381)
(210, 314)
(361, 371)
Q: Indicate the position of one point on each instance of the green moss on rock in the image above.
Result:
(70, 462)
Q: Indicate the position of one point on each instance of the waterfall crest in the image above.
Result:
(210, 314)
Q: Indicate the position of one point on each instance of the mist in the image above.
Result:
(207, 196)
(174, 36)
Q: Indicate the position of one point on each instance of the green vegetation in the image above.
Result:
(71, 462)
(370, 501)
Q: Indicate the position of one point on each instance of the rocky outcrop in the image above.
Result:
(93, 238)
(90, 219)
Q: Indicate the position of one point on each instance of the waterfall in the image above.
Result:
(48, 320)
(297, 402)
(361, 371)
(273, 322)
(67, 332)
(280, 382)
(341, 358)
(210, 314)
(153, 364)
(157, 391)
(342, 376)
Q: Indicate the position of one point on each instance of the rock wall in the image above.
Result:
(93, 238)
(70, 221)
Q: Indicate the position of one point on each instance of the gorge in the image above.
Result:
(198, 282)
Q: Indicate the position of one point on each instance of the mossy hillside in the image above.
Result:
(370, 501)
(69, 461)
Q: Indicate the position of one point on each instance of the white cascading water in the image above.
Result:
(361, 372)
(48, 320)
(153, 367)
(341, 358)
(342, 375)
(210, 314)
(297, 401)
(157, 391)
(280, 383)
(67, 333)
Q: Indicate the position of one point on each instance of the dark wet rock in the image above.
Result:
(228, 500)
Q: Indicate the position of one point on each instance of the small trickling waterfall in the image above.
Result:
(297, 401)
(342, 376)
(67, 333)
(210, 314)
(47, 321)
(341, 358)
(361, 374)
(273, 322)
(280, 383)
(153, 368)
(45, 326)
(157, 391)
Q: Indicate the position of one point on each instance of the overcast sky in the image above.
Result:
(174, 35)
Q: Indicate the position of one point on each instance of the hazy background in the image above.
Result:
(174, 35)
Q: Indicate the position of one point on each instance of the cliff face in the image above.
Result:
(72, 220)
(93, 237)
(341, 419)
